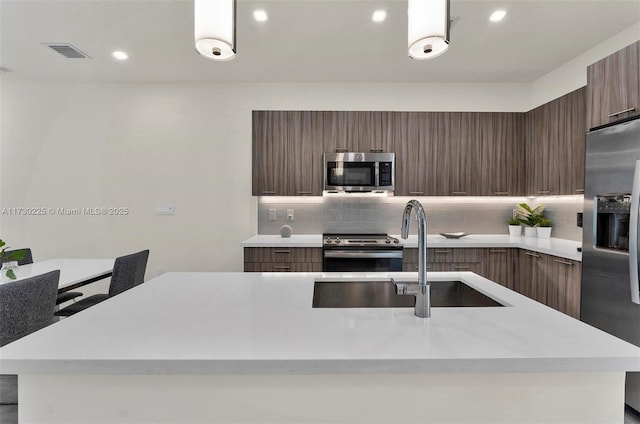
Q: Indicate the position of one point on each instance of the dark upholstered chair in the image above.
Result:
(28, 259)
(128, 271)
(27, 305)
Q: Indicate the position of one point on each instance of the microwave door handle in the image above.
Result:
(633, 236)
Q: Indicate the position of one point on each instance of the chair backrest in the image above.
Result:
(28, 259)
(128, 271)
(27, 305)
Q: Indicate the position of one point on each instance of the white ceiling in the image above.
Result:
(303, 40)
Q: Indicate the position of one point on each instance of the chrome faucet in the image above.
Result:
(421, 290)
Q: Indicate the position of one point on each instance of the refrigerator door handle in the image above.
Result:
(633, 236)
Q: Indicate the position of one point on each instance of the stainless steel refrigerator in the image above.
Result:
(610, 290)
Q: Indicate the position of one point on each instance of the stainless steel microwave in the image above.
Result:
(359, 172)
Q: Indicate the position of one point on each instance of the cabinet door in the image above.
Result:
(533, 275)
(415, 138)
(555, 138)
(563, 291)
(303, 160)
(575, 129)
(269, 139)
(464, 153)
(374, 131)
(500, 266)
(541, 136)
(405, 149)
(503, 153)
(339, 132)
(613, 87)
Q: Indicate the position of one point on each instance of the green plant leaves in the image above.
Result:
(531, 216)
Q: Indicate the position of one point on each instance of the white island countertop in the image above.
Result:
(237, 323)
(554, 246)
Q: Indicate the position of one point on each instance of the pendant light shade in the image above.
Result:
(215, 28)
(428, 28)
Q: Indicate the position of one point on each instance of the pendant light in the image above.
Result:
(215, 28)
(428, 28)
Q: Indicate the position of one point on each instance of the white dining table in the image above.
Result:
(74, 273)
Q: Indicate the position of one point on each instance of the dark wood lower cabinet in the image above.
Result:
(532, 275)
(500, 265)
(444, 260)
(563, 291)
(548, 279)
(276, 259)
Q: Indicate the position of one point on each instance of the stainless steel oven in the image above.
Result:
(361, 253)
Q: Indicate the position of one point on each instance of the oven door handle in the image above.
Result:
(363, 254)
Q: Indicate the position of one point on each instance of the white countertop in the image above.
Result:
(183, 323)
(72, 271)
(553, 246)
(296, 240)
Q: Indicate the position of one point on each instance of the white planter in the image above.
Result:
(530, 232)
(515, 230)
(544, 232)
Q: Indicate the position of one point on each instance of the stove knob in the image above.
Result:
(328, 241)
(387, 241)
(338, 240)
(396, 241)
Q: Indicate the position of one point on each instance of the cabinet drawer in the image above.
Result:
(283, 254)
(282, 267)
(467, 266)
(431, 266)
(450, 255)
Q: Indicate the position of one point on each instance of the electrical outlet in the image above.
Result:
(164, 210)
(290, 216)
(272, 214)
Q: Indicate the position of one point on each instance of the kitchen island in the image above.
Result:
(249, 347)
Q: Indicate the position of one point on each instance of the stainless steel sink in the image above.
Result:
(382, 294)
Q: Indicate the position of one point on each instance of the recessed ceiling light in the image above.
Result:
(497, 16)
(120, 55)
(379, 16)
(260, 15)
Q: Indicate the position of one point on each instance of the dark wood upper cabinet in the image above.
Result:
(463, 144)
(503, 153)
(459, 153)
(376, 131)
(339, 131)
(437, 153)
(613, 87)
(268, 135)
(303, 162)
(555, 138)
(417, 143)
(287, 153)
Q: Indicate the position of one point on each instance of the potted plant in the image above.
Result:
(544, 228)
(515, 227)
(9, 261)
(529, 217)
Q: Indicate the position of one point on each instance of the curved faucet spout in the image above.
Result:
(423, 297)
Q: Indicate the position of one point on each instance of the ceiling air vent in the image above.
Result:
(67, 50)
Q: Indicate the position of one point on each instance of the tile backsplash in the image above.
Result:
(366, 214)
